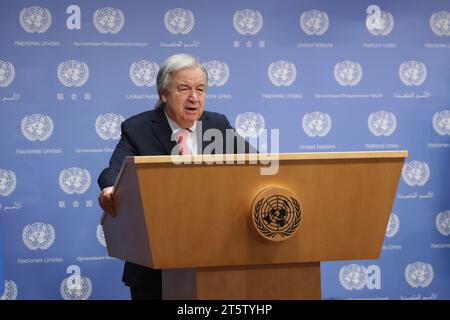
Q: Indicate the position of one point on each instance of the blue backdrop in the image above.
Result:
(331, 75)
(2, 287)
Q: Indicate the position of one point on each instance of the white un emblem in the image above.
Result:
(348, 73)
(441, 122)
(380, 23)
(75, 287)
(250, 124)
(419, 274)
(179, 21)
(353, 276)
(35, 19)
(282, 73)
(73, 73)
(143, 73)
(37, 127)
(382, 123)
(416, 173)
(74, 180)
(10, 292)
(38, 236)
(218, 72)
(314, 22)
(316, 124)
(412, 73)
(247, 21)
(393, 225)
(7, 182)
(108, 126)
(443, 222)
(108, 20)
(7, 73)
(440, 23)
(101, 235)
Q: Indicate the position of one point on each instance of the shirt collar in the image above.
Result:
(176, 127)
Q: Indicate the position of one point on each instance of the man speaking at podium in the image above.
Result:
(177, 122)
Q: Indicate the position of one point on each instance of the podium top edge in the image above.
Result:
(270, 156)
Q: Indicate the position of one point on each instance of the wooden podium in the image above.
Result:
(192, 221)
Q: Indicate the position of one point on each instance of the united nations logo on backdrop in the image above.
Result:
(247, 21)
(314, 22)
(353, 276)
(316, 124)
(276, 214)
(74, 180)
(382, 123)
(249, 124)
(443, 222)
(282, 73)
(37, 127)
(35, 19)
(101, 235)
(76, 287)
(440, 23)
(179, 21)
(73, 73)
(7, 182)
(393, 225)
(380, 25)
(143, 73)
(416, 173)
(441, 122)
(10, 292)
(108, 20)
(348, 73)
(412, 73)
(7, 73)
(218, 73)
(38, 236)
(107, 126)
(419, 274)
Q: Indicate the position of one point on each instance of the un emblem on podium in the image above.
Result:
(275, 214)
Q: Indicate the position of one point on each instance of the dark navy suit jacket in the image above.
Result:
(149, 133)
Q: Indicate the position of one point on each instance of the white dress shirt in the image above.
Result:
(191, 141)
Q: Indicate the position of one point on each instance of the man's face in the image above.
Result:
(184, 98)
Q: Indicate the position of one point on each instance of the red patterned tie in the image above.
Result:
(182, 139)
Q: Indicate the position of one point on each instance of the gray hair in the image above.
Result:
(169, 67)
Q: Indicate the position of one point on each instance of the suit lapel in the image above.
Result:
(205, 125)
(162, 130)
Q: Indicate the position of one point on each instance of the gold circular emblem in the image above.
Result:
(275, 214)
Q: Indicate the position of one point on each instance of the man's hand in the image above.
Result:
(106, 201)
